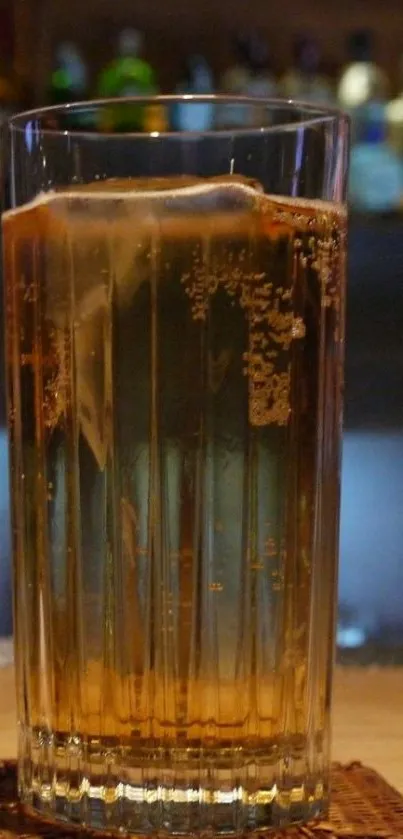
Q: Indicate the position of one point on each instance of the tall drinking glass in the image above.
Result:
(175, 325)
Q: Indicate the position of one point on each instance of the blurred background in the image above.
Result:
(348, 54)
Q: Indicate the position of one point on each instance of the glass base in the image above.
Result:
(175, 791)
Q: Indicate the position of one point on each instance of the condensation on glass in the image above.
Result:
(175, 345)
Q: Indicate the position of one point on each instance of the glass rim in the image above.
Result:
(311, 115)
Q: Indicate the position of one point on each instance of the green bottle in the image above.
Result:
(127, 75)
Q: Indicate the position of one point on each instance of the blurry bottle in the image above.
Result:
(236, 78)
(261, 81)
(155, 118)
(197, 80)
(362, 80)
(304, 80)
(376, 172)
(394, 118)
(69, 81)
(127, 75)
(250, 75)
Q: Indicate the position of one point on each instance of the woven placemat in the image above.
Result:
(363, 806)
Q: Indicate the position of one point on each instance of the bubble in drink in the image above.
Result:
(174, 356)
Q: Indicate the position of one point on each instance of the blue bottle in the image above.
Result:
(376, 172)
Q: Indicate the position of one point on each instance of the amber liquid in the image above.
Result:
(174, 357)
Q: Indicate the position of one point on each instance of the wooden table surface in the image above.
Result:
(367, 716)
